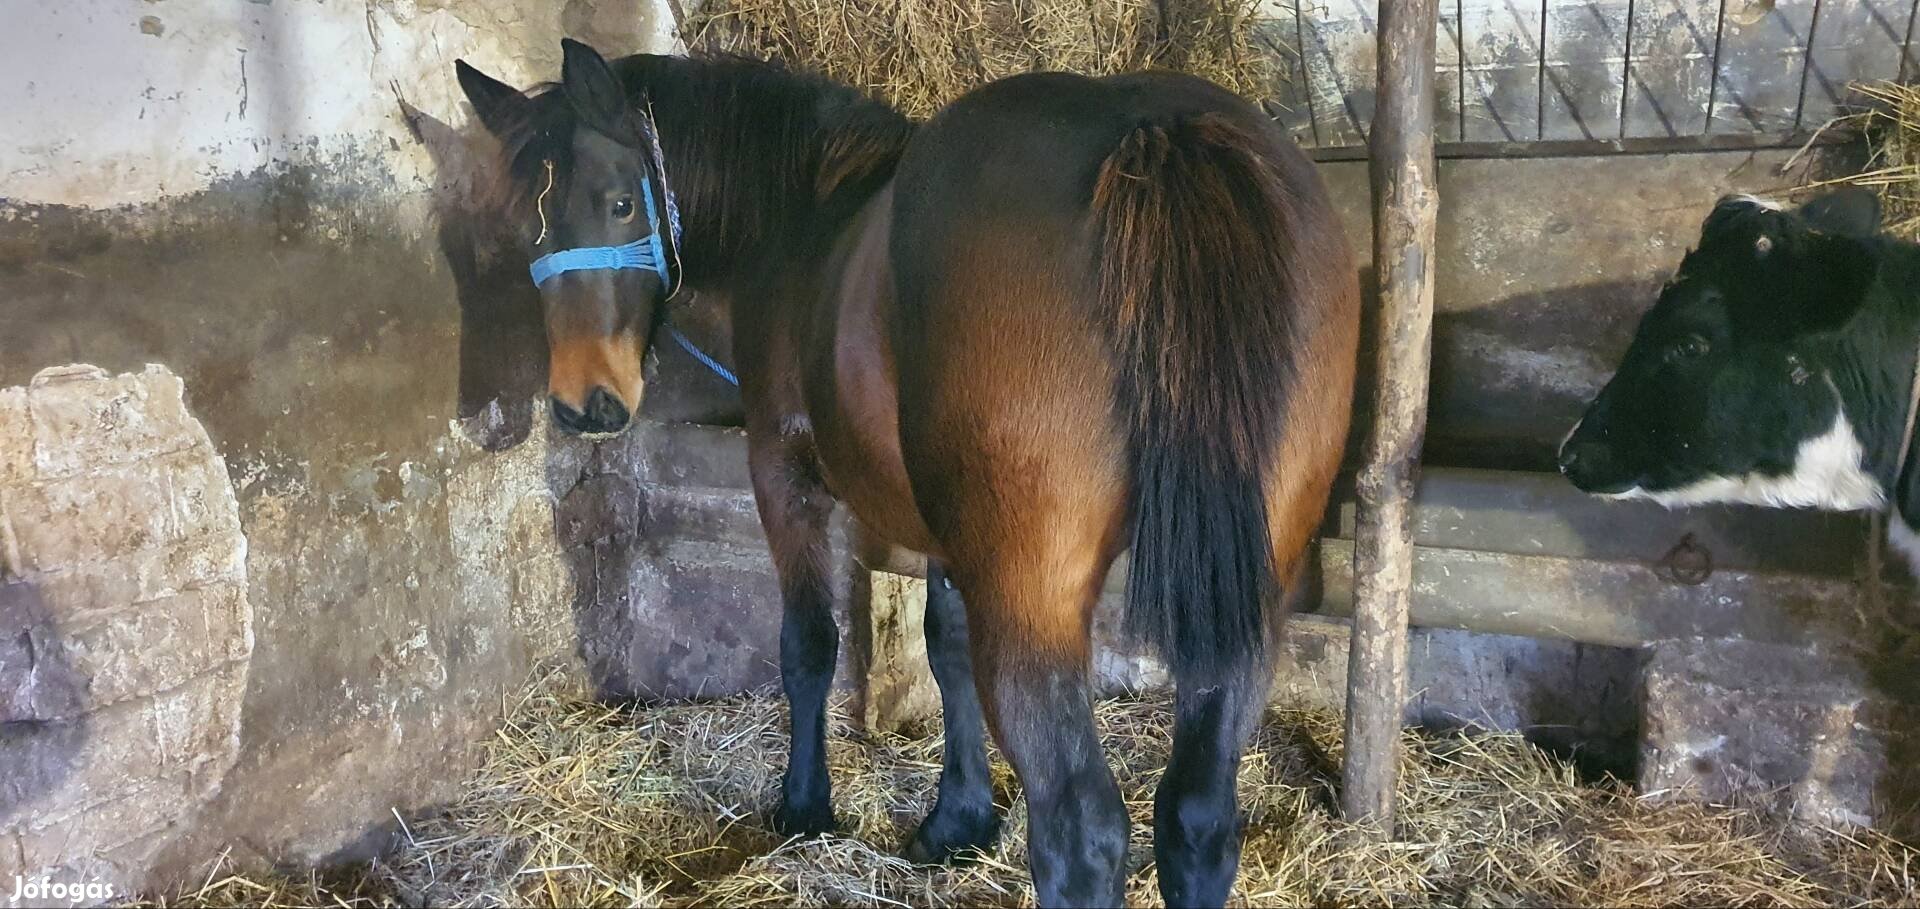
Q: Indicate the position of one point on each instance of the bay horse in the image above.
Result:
(1064, 318)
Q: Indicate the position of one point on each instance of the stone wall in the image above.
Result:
(123, 595)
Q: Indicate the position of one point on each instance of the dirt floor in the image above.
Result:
(584, 804)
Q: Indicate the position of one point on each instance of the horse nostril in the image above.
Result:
(603, 414)
(568, 418)
(605, 411)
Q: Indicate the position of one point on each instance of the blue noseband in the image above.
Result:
(645, 252)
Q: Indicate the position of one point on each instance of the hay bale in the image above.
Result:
(582, 804)
(920, 54)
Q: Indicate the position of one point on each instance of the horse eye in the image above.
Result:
(623, 209)
(1688, 348)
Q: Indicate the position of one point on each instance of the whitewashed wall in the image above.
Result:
(116, 102)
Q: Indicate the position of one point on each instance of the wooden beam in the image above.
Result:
(1405, 205)
(1588, 148)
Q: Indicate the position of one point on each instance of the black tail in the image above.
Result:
(1195, 283)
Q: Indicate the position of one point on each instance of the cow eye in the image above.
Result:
(1797, 372)
(623, 209)
(1688, 348)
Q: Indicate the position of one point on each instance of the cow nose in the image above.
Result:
(1570, 456)
(1590, 465)
(603, 414)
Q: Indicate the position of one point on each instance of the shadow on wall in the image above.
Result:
(503, 368)
(1510, 378)
(628, 645)
(43, 704)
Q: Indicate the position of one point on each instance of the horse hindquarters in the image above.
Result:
(1075, 381)
(1018, 473)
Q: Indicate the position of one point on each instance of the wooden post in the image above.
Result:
(1405, 202)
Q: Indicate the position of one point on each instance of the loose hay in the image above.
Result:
(581, 804)
(920, 54)
(1889, 121)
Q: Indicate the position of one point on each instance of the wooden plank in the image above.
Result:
(1337, 42)
(1586, 42)
(1854, 40)
(1763, 49)
(1616, 604)
(1406, 206)
(1612, 603)
(1501, 44)
(1669, 74)
(1527, 554)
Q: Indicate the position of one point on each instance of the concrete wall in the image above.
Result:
(246, 194)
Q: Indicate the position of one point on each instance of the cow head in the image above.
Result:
(1762, 374)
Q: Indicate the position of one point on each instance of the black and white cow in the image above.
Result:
(1776, 368)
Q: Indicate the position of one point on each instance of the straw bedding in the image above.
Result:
(583, 804)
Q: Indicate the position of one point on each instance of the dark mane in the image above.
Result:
(543, 132)
(757, 151)
(754, 151)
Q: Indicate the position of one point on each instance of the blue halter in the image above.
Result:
(646, 252)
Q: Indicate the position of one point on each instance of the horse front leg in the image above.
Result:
(794, 510)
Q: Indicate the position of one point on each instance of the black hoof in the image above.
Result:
(807, 822)
(946, 837)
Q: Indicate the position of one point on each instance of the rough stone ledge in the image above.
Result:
(99, 592)
(1799, 727)
(82, 418)
(123, 558)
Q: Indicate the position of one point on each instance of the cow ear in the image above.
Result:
(1850, 212)
(595, 92)
(1831, 278)
(496, 103)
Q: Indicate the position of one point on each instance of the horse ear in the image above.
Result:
(495, 102)
(595, 92)
(1849, 212)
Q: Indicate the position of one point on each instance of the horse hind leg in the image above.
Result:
(963, 816)
(1030, 647)
(1196, 821)
(1196, 812)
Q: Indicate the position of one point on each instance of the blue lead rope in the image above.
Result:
(687, 345)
